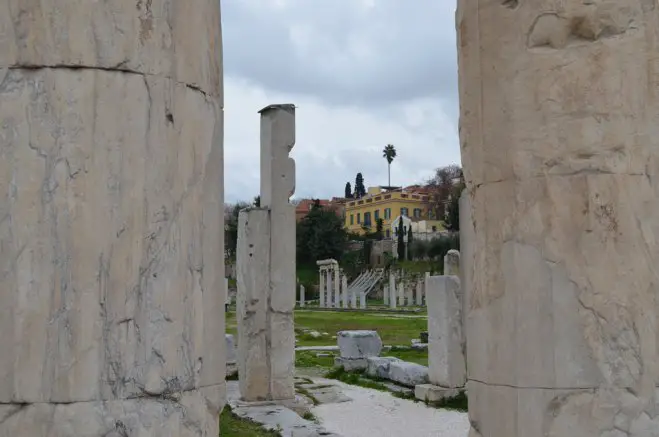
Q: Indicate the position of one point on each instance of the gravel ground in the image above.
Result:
(376, 413)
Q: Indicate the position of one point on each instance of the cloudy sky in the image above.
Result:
(363, 73)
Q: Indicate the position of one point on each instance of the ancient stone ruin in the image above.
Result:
(330, 283)
(266, 268)
(557, 131)
(447, 370)
(111, 218)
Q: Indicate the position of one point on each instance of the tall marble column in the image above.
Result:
(321, 288)
(336, 283)
(344, 290)
(559, 145)
(111, 218)
(266, 268)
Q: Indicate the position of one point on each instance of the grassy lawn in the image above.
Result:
(394, 329)
(234, 426)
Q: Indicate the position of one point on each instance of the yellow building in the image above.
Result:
(364, 212)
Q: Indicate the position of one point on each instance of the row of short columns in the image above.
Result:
(334, 291)
(407, 293)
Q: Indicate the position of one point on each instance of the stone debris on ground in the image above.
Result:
(378, 367)
(376, 413)
(408, 374)
(274, 417)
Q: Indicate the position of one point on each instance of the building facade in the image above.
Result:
(303, 207)
(361, 215)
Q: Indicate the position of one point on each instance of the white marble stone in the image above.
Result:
(446, 346)
(111, 219)
(418, 290)
(401, 294)
(392, 292)
(557, 131)
(359, 344)
(452, 263)
(344, 291)
(302, 296)
(322, 289)
(408, 374)
(266, 284)
(378, 367)
(409, 293)
(434, 393)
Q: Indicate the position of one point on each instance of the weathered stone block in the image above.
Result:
(408, 374)
(350, 364)
(446, 358)
(378, 367)
(433, 393)
(359, 344)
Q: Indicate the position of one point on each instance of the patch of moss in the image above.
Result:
(233, 426)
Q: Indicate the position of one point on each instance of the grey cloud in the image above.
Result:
(411, 46)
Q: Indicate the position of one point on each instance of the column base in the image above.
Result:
(194, 412)
(435, 393)
(299, 404)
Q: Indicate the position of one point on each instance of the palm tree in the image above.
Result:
(389, 153)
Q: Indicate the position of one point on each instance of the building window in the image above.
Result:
(352, 219)
(377, 215)
(367, 219)
(417, 212)
(388, 233)
(387, 213)
(359, 218)
(403, 212)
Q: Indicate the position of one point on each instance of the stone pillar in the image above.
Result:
(321, 288)
(111, 219)
(392, 292)
(409, 294)
(452, 263)
(344, 290)
(329, 299)
(401, 294)
(353, 299)
(558, 135)
(446, 361)
(336, 282)
(362, 300)
(266, 268)
(302, 296)
(387, 291)
(419, 292)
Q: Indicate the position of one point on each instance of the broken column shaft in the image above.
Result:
(266, 268)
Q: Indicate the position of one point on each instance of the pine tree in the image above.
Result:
(360, 190)
(401, 240)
